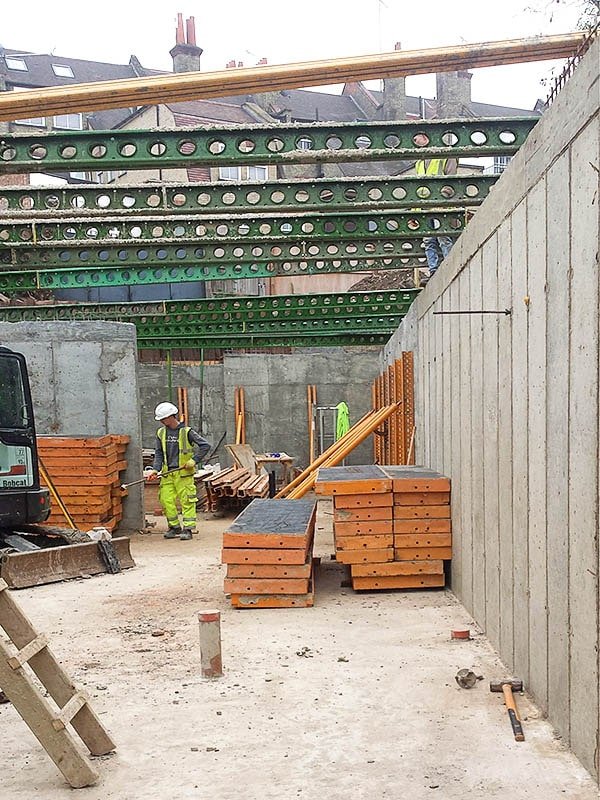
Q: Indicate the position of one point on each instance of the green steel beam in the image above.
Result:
(362, 339)
(196, 255)
(160, 329)
(21, 279)
(225, 309)
(234, 198)
(262, 144)
(192, 231)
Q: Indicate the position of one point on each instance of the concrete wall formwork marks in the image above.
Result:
(84, 383)
(508, 407)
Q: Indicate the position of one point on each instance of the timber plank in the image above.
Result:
(362, 542)
(362, 514)
(396, 568)
(363, 528)
(427, 553)
(399, 582)
(421, 512)
(365, 556)
(358, 500)
(422, 526)
(422, 540)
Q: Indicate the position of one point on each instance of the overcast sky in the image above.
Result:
(301, 30)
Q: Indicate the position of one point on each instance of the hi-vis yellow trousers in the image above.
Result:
(178, 487)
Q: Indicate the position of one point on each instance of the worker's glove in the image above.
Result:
(151, 475)
(190, 465)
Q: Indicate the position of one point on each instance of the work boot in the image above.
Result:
(186, 534)
(172, 533)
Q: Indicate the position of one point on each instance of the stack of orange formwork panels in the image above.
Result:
(391, 524)
(268, 552)
(86, 473)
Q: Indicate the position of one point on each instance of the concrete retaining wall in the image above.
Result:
(508, 407)
(83, 381)
(275, 389)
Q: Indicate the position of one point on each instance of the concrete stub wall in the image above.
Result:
(84, 383)
(275, 396)
(507, 406)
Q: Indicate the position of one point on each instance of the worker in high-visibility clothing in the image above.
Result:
(436, 247)
(175, 464)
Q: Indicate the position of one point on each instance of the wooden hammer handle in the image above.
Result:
(513, 713)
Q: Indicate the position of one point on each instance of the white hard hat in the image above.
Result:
(164, 410)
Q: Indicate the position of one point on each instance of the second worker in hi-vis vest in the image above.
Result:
(175, 463)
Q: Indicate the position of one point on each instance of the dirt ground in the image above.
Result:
(353, 698)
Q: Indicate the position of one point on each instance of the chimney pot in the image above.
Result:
(190, 24)
(179, 35)
(262, 62)
(398, 46)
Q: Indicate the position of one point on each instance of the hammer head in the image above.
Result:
(496, 686)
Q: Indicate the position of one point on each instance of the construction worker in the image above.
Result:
(436, 247)
(175, 463)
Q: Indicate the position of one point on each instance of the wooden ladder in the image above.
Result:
(48, 723)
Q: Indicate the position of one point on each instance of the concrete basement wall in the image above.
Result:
(507, 406)
(275, 389)
(83, 383)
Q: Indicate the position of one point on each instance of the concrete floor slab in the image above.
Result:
(353, 698)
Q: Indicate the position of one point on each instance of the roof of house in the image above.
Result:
(311, 106)
(40, 72)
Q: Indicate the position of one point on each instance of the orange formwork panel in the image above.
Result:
(276, 571)
(362, 514)
(421, 512)
(358, 501)
(269, 586)
(422, 525)
(421, 498)
(273, 601)
(418, 553)
(395, 568)
(352, 480)
(268, 523)
(399, 582)
(365, 556)
(245, 555)
(364, 542)
(416, 479)
(363, 527)
(423, 540)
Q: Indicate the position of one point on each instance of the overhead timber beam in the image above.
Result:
(345, 194)
(262, 144)
(196, 85)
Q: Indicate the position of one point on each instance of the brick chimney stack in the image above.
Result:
(394, 95)
(186, 54)
(453, 92)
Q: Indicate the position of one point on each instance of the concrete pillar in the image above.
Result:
(210, 644)
(453, 91)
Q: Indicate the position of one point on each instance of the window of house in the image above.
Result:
(78, 176)
(62, 71)
(500, 164)
(39, 122)
(70, 122)
(229, 174)
(304, 143)
(257, 173)
(16, 63)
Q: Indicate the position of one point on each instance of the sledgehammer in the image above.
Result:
(507, 688)
(125, 486)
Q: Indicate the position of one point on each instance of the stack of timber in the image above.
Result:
(234, 482)
(268, 552)
(396, 384)
(86, 472)
(391, 524)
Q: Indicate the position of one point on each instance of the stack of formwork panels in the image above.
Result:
(391, 524)
(268, 552)
(86, 473)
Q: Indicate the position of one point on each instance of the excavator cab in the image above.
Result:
(22, 500)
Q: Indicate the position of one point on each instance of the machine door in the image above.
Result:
(18, 462)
